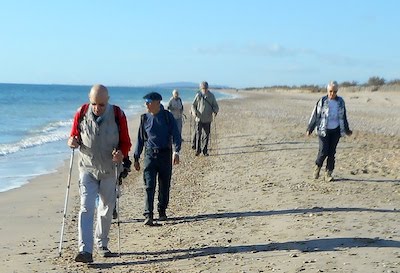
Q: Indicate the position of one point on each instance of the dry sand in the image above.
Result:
(251, 206)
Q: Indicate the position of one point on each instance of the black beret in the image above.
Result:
(153, 96)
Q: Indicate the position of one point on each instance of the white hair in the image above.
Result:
(175, 91)
(332, 84)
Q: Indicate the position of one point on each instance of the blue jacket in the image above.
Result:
(157, 131)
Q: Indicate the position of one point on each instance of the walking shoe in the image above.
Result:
(148, 221)
(105, 252)
(84, 257)
(115, 214)
(197, 153)
(316, 172)
(328, 176)
(162, 215)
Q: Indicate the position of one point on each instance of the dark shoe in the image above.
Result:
(84, 257)
(148, 221)
(206, 154)
(105, 252)
(162, 216)
(115, 214)
(197, 153)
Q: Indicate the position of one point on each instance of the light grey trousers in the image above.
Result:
(90, 188)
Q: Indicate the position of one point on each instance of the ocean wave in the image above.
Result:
(32, 141)
(52, 126)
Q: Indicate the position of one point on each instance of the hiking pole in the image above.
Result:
(215, 137)
(210, 138)
(66, 201)
(190, 128)
(117, 207)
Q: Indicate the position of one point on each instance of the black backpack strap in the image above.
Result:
(142, 131)
(209, 103)
(181, 103)
(117, 115)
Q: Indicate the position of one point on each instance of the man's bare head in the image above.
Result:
(98, 97)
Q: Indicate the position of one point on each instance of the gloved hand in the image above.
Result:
(126, 164)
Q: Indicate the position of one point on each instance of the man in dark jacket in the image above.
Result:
(157, 132)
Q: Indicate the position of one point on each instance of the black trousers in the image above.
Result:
(202, 139)
(157, 166)
(327, 148)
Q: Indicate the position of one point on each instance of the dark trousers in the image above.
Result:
(202, 139)
(327, 148)
(194, 142)
(157, 165)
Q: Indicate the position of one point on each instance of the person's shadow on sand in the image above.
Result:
(315, 245)
(203, 217)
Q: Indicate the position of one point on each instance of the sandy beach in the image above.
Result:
(251, 206)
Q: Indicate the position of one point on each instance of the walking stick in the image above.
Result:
(190, 129)
(117, 207)
(66, 202)
(210, 138)
(215, 137)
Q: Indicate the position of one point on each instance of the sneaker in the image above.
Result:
(162, 216)
(105, 252)
(84, 257)
(328, 176)
(148, 221)
(316, 172)
(115, 214)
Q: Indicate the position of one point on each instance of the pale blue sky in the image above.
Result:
(236, 43)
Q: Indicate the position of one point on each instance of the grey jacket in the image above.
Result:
(203, 106)
(99, 138)
(175, 106)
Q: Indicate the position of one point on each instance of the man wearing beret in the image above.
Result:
(157, 132)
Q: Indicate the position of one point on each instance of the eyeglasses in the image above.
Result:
(98, 104)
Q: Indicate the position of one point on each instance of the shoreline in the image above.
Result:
(56, 168)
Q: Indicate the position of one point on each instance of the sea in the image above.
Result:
(36, 121)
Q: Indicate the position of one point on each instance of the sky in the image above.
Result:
(238, 43)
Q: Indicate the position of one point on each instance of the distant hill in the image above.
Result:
(191, 85)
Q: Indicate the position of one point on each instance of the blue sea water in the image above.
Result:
(36, 121)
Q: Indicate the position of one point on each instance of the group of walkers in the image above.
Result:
(100, 131)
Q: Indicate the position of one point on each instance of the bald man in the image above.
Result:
(100, 131)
